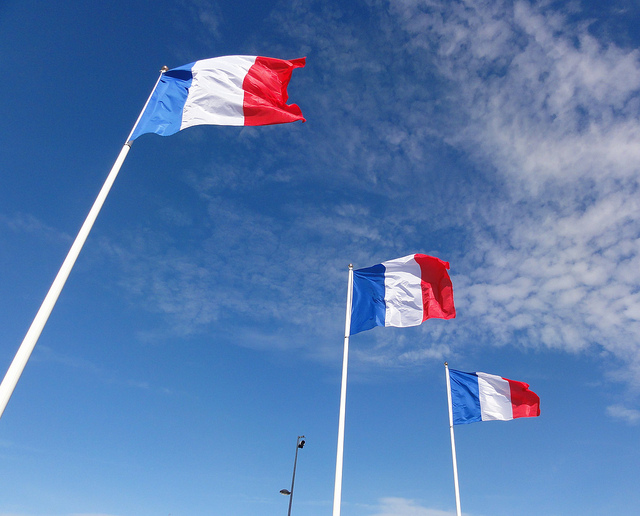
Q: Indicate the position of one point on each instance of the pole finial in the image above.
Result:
(165, 68)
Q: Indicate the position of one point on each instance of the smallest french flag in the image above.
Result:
(487, 397)
(402, 292)
(227, 90)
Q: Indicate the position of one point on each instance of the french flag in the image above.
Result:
(487, 397)
(402, 292)
(228, 90)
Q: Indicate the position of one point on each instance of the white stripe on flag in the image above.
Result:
(224, 76)
(495, 398)
(403, 292)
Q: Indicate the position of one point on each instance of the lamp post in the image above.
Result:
(299, 445)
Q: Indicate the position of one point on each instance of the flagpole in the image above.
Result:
(337, 492)
(33, 334)
(453, 442)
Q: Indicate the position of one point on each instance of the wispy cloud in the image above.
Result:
(631, 416)
(24, 223)
(47, 354)
(206, 18)
(404, 507)
(543, 99)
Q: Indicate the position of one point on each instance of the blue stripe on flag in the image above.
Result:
(368, 307)
(163, 114)
(465, 397)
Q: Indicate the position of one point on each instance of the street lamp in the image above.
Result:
(299, 445)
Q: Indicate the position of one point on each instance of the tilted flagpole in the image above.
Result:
(453, 442)
(337, 492)
(31, 338)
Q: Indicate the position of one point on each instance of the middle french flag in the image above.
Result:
(402, 292)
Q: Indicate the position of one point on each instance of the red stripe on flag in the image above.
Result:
(437, 290)
(265, 92)
(525, 403)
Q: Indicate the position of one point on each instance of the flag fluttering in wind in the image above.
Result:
(487, 397)
(484, 397)
(228, 90)
(402, 292)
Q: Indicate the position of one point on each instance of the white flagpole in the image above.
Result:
(337, 492)
(31, 338)
(453, 442)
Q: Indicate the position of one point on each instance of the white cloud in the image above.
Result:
(631, 416)
(29, 224)
(542, 99)
(404, 507)
(206, 16)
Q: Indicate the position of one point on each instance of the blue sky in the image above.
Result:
(201, 330)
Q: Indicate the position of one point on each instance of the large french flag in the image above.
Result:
(487, 397)
(402, 292)
(228, 90)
